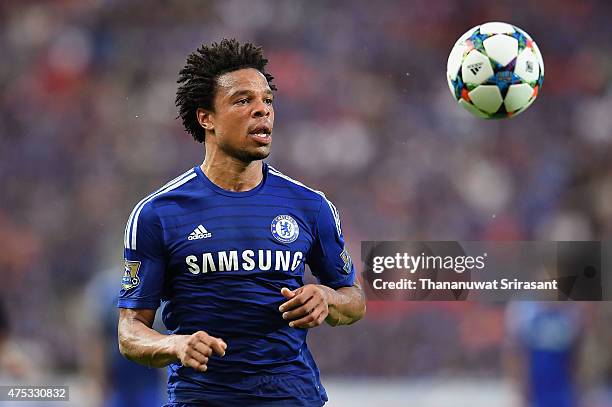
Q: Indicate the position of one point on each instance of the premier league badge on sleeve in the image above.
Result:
(285, 229)
(130, 275)
(348, 262)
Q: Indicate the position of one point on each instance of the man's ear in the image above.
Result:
(205, 119)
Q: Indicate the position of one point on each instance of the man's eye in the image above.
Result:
(242, 101)
(268, 101)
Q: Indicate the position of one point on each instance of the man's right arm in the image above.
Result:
(142, 286)
(140, 343)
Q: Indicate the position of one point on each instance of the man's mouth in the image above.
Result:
(261, 133)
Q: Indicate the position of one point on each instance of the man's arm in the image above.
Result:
(346, 305)
(339, 299)
(140, 343)
(310, 305)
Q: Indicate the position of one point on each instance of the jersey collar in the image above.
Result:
(208, 183)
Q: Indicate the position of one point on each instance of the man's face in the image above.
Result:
(243, 115)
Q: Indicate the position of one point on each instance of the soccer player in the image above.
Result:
(224, 246)
(543, 343)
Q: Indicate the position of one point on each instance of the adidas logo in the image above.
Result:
(199, 233)
(475, 68)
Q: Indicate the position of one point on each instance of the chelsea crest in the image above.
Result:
(285, 229)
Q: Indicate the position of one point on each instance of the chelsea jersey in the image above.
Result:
(217, 260)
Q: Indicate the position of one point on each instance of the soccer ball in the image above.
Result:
(495, 70)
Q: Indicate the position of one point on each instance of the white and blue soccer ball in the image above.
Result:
(495, 70)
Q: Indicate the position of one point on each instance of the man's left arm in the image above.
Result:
(346, 305)
(338, 300)
(310, 305)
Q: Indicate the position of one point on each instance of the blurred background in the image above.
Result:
(363, 112)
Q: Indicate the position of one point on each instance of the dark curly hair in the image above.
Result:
(198, 78)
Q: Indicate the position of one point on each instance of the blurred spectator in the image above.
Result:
(17, 363)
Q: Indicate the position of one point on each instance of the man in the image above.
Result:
(119, 382)
(543, 344)
(225, 245)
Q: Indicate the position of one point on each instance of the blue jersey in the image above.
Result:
(549, 336)
(218, 260)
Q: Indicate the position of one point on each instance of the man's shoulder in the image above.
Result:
(171, 190)
(299, 189)
(293, 186)
(150, 209)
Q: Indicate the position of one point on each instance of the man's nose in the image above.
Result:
(261, 109)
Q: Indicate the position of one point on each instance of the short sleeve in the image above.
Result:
(145, 260)
(329, 261)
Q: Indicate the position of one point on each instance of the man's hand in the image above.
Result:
(195, 349)
(307, 306)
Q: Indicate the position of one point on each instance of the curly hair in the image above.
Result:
(198, 78)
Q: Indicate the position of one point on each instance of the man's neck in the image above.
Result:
(232, 174)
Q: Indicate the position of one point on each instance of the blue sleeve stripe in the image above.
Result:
(333, 209)
(137, 304)
(129, 238)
